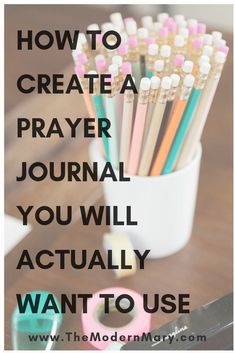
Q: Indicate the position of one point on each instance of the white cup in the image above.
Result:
(164, 206)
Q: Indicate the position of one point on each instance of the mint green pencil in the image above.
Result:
(187, 118)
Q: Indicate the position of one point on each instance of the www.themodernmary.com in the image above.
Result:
(115, 337)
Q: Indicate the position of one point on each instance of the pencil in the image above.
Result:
(80, 71)
(154, 128)
(187, 117)
(195, 131)
(139, 124)
(151, 57)
(173, 125)
(134, 58)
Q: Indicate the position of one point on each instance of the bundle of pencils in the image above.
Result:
(176, 67)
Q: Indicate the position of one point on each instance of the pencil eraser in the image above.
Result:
(155, 82)
(165, 51)
(100, 65)
(172, 27)
(82, 38)
(220, 57)
(76, 51)
(117, 59)
(201, 28)
(78, 47)
(187, 66)
(127, 19)
(204, 59)
(107, 26)
(93, 27)
(82, 58)
(147, 22)
(184, 32)
(182, 24)
(175, 80)
(204, 68)
(207, 39)
(166, 82)
(142, 33)
(124, 38)
(179, 18)
(132, 41)
(153, 49)
(189, 81)
(216, 35)
(145, 83)
(219, 42)
(116, 18)
(159, 65)
(163, 32)
(113, 69)
(99, 57)
(123, 49)
(179, 60)
(192, 22)
(179, 40)
(192, 30)
(224, 49)
(207, 50)
(126, 68)
(161, 17)
(80, 70)
(149, 40)
(131, 27)
(157, 26)
(168, 21)
(197, 43)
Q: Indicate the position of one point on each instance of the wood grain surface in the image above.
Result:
(203, 268)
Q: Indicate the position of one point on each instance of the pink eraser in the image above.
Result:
(172, 27)
(224, 49)
(132, 41)
(99, 37)
(80, 70)
(201, 28)
(100, 65)
(123, 49)
(179, 60)
(126, 68)
(82, 58)
(197, 43)
(168, 21)
(163, 32)
(192, 29)
(108, 79)
(150, 40)
(128, 19)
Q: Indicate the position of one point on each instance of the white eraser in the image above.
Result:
(93, 26)
(145, 83)
(204, 59)
(192, 22)
(113, 69)
(157, 26)
(220, 57)
(179, 18)
(189, 80)
(219, 42)
(99, 57)
(131, 27)
(207, 50)
(183, 32)
(207, 39)
(117, 60)
(165, 51)
(153, 49)
(159, 65)
(175, 80)
(116, 18)
(166, 82)
(147, 22)
(155, 82)
(142, 33)
(205, 68)
(179, 41)
(82, 38)
(107, 26)
(187, 66)
(124, 38)
(161, 17)
(216, 35)
(182, 24)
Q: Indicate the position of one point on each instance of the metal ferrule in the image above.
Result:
(133, 55)
(163, 96)
(129, 96)
(185, 92)
(153, 93)
(172, 93)
(200, 81)
(143, 97)
(216, 70)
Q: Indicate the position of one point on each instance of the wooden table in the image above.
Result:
(203, 268)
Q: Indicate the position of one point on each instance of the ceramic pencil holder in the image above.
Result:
(164, 205)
